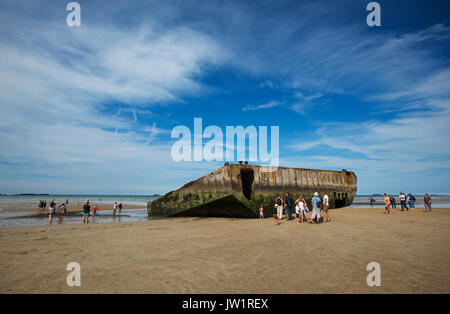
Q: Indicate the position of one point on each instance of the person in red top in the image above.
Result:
(387, 204)
(94, 210)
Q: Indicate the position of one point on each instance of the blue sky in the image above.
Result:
(90, 109)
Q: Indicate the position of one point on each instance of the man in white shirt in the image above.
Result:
(326, 204)
(402, 198)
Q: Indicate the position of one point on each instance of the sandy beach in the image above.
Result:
(212, 255)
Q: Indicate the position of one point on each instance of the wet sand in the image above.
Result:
(211, 255)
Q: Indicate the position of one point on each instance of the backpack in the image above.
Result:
(319, 203)
(278, 201)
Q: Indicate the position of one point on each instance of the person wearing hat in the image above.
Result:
(316, 204)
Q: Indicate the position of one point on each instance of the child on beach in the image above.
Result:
(61, 211)
(297, 211)
(387, 204)
(261, 212)
(275, 215)
(94, 210)
(303, 209)
(114, 208)
(286, 210)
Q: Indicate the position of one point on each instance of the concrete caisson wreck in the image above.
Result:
(237, 190)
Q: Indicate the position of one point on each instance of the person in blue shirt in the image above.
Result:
(316, 204)
(427, 202)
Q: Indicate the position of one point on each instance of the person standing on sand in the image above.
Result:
(120, 207)
(392, 201)
(114, 209)
(51, 212)
(297, 211)
(303, 209)
(411, 200)
(94, 210)
(316, 204)
(289, 202)
(387, 204)
(261, 212)
(371, 200)
(279, 202)
(326, 204)
(86, 211)
(427, 202)
(402, 198)
(61, 211)
(275, 215)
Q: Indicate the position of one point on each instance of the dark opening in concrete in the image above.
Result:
(247, 177)
(228, 207)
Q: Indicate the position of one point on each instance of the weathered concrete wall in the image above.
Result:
(233, 179)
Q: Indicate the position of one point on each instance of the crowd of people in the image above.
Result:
(405, 201)
(283, 208)
(52, 211)
(62, 210)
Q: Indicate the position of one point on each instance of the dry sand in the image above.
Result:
(211, 255)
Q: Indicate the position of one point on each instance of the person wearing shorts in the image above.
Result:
(51, 212)
(261, 212)
(387, 204)
(275, 215)
(303, 209)
(315, 201)
(326, 204)
(86, 211)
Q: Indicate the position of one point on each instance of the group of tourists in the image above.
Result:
(87, 210)
(52, 211)
(405, 200)
(283, 208)
(62, 210)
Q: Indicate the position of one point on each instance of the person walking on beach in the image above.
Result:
(387, 204)
(326, 204)
(289, 202)
(411, 200)
(427, 202)
(261, 212)
(275, 214)
(316, 204)
(279, 202)
(51, 212)
(61, 212)
(94, 210)
(402, 198)
(114, 209)
(372, 201)
(86, 211)
(303, 209)
(392, 201)
(120, 207)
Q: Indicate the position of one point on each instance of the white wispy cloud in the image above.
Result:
(270, 104)
(54, 83)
